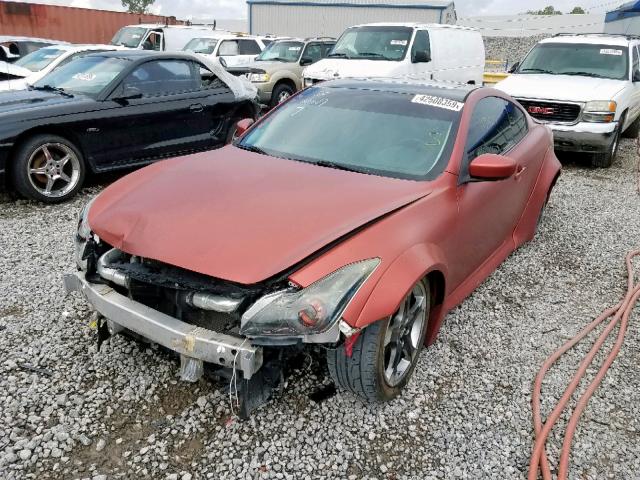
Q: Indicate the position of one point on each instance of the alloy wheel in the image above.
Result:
(53, 169)
(283, 96)
(401, 341)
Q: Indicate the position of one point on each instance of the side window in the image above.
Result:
(153, 42)
(421, 46)
(636, 61)
(496, 126)
(249, 47)
(162, 77)
(313, 51)
(326, 50)
(228, 48)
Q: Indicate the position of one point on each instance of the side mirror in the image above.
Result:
(305, 61)
(636, 76)
(243, 125)
(128, 93)
(420, 56)
(492, 167)
(514, 67)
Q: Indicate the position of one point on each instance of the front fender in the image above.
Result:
(398, 279)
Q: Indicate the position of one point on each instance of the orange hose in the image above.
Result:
(539, 461)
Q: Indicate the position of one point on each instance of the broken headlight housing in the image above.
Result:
(82, 235)
(309, 311)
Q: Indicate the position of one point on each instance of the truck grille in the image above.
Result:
(552, 111)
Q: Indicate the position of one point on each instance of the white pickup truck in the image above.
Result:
(585, 87)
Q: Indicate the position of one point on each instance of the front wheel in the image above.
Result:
(605, 159)
(281, 93)
(386, 353)
(48, 168)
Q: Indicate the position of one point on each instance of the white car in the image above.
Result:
(409, 51)
(585, 87)
(32, 67)
(237, 50)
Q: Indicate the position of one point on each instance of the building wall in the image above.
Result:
(70, 24)
(307, 21)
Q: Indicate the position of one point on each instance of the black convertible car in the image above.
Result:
(112, 110)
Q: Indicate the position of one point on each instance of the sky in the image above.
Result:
(235, 9)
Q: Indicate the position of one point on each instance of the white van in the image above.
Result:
(170, 38)
(404, 50)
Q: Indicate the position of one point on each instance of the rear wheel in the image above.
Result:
(386, 353)
(605, 159)
(48, 168)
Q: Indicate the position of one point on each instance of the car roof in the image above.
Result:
(592, 39)
(417, 25)
(131, 54)
(450, 90)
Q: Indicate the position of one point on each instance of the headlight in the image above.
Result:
(82, 235)
(600, 111)
(309, 311)
(259, 77)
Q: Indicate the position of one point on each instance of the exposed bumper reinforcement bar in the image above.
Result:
(181, 337)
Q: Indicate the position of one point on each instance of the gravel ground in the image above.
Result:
(67, 411)
(509, 49)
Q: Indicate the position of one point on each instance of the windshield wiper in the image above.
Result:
(584, 74)
(337, 166)
(252, 148)
(49, 88)
(373, 54)
(537, 70)
(339, 55)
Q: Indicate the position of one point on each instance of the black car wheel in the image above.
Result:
(48, 168)
(386, 353)
(605, 159)
(281, 93)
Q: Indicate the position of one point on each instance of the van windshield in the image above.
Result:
(373, 43)
(129, 37)
(587, 60)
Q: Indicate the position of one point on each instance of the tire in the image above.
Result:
(634, 129)
(281, 93)
(368, 373)
(231, 134)
(605, 159)
(48, 168)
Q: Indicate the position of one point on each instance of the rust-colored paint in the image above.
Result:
(70, 24)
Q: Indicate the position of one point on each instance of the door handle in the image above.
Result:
(196, 108)
(519, 171)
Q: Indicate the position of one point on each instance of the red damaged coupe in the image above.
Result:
(355, 215)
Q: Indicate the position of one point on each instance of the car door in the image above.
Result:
(634, 108)
(490, 210)
(163, 116)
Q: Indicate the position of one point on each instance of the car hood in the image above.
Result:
(240, 216)
(330, 68)
(24, 101)
(15, 70)
(271, 66)
(560, 87)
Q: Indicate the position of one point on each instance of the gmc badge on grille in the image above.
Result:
(541, 110)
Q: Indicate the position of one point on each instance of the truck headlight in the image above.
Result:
(600, 111)
(82, 235)
(259, 77)
(307, 311)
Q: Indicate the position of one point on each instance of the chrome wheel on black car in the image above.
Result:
(48, 168)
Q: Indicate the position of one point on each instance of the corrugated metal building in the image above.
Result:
(625, 19)
(304, 18)
(71, 24)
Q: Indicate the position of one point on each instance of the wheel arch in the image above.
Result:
(286, 81)
(48, 130)
(422, 261)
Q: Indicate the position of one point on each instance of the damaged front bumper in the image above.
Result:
(190, 341)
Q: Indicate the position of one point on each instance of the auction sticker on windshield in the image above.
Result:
(402, 43)
(439, 102)
(610, 51)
